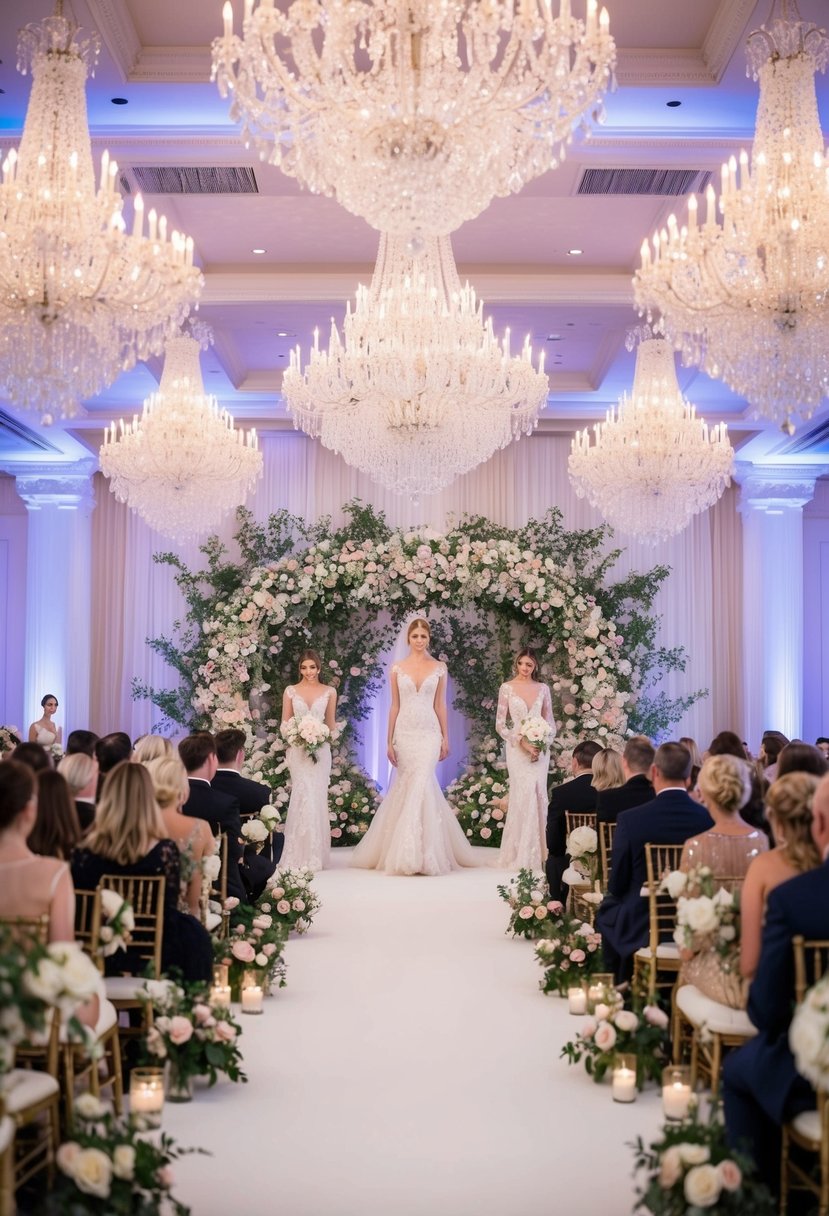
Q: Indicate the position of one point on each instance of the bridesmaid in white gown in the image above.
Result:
(523, 845)
(44, 730)
(415, 831)
(307, 827)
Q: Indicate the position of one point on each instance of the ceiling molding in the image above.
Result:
(114, 23)
(173, 65)
(658, 67)
(228, 355)
(725, 35)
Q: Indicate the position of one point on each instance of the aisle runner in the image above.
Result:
(410, 1069)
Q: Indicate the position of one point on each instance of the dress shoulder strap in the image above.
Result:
(56, 877)
(290, 690)
(395, 669)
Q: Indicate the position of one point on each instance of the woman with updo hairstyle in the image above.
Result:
(44, 730)
(789, 810)
(608, 773)
(193, 836)
(151, 747)
(731, 844)
(726, 743)
(524, 844)
(57, 829)
(129, 838)
(307, 823)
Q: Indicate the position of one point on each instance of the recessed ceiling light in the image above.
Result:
(553, 337)
(259, 251)
(120, 101)
(282, 333)
(575, 253)
(673, 104)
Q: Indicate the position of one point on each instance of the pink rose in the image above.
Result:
(336, 833)
(165, 1177)
(181, 1030)
(577, 956)
(225, 1033)
(541, 911)
(283, 907)
(299, 905)
(731, 1176)
(243, 951)
(526, 913)
(670, 1170)
(555, 906)
(201, 1013)
(588, 1028)
(231, 902)
(356, 671)
(269, 949)
(655, 1016)
(277, 892)
(605, 1036)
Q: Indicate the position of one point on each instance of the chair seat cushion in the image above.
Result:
(212, 921)
(807, 1124)
(665, 950)
(23, 1087)
(107, 1018)
(721, 1019)
(123, 987)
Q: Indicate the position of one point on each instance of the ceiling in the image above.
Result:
(578, 308)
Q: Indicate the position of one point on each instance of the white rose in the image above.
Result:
(110, 902)
(693, 1154)
(702, 1186)
(92, 1172)
(675, 883)
(87, 1106)
(700, 915)
(123, 1161)
(626, 1021)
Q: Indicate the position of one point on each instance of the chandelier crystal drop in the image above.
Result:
(182, 465)
(653, 464)
(414, 114)
(745, 295)
(418, 389)
(80, 299)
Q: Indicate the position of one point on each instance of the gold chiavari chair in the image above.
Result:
(808, 1131)
(145, 895)
(661, 953)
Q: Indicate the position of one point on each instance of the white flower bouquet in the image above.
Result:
(582, 845)
(119, 921)
(255, 832)
(270, 816)
(707, 917)
(306, 733)
(64, 977)
(536, 731)
(809, 1035)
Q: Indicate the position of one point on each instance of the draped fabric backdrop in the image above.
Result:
(700, 604)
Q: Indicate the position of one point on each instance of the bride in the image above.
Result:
(415, 830)
(307, 826)
(523, 844)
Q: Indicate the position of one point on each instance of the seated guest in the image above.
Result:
(32, 886)
(193, 836)
(670, 818)
(198, 755)
(731, 844)
(607, 770)
(129, 838)
(110, 750)
(637, 761)
(81, 741)
(56, 830)
(81, 773)
(761, 1086)
(33, 756)
(577, 794)
(151, 747)
(801, 758)
(789, 810)
(726, 743)
(251, 795)
(822, 744)
(772, 745)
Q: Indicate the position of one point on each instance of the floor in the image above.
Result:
(411, 1066)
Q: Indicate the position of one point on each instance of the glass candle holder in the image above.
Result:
(624, 1078)
(600, 991)
(253, 993)
(577, 1000)
(146, 1096)
(676, 1092)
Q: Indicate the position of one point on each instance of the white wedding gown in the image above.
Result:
(414, 830)
(308, 827)
(524, 843)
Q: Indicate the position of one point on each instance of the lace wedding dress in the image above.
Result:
(307, 827)
(415, 830)
(523, 845)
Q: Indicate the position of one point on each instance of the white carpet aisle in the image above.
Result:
(410, 1067)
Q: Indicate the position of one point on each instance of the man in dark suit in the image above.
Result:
(81, 741)
(251, 795)
(637, 761)
(577, 794)
(198, 755)
(761, 1086)
(670, 818)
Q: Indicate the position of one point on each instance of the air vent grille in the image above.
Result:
(170, 179)
(665, 182)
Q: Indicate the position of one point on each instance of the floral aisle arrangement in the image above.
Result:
(255, 832)
(530, 905)
(306, 733)
(193, 1035)
(641, 1031)
(569, 951)
(290, 899)
(346, 591)
(479, 795)
(255, 942)
(582, 845)
(118, 922)
(109, 1168)
(809, 1035)
(690, 1169)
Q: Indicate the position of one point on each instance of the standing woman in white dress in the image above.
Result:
(414, 830)
(44, 730)
(523, 845)
(308, 827)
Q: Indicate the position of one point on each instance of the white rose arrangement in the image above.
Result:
(707, 915)
(306, 733)
(118, 923)
(582, 846)
(809, 1035)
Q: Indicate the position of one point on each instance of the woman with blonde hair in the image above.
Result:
(789, 811)
(607, 770)
(729, 847)
(81, 774)
(193, 836)
(129, 838)
(151, 747)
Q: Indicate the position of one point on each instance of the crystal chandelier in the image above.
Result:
(418, 390)
(746, 296)
(80, 300)
(182, 465)
(653, 463)
(414, 113)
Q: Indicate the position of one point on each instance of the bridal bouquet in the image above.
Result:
(306, 733)
(255, 832)
(582, 845)
(692, 1169)
(642, 1032)
(110, 1168)
(116, 931)
(569, 951)
(195, 1036)
(9, 739)
(707, 916)
(255, 940)
(809, 1035)
(290, 899)
(527, 895)
(536, 731)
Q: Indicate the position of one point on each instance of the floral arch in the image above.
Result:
(485, 589)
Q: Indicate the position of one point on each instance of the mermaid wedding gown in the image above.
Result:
(523, 845)
(415, 830)
(307, 826)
